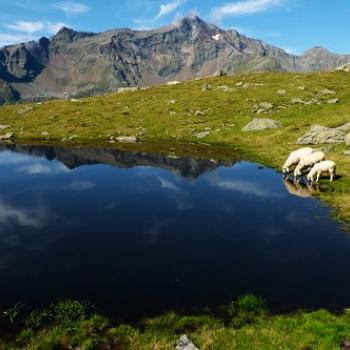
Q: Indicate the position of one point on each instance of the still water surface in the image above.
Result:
(138, 234)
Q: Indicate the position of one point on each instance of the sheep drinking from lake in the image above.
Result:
(309, 161)
(295, 157)
(326, 166)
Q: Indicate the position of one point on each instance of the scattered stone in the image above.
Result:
(75, 100)
(172, 113)
(301, 87)
(171, 102)
(3, 127)
(185, 344)
(44, 133)
(202, 135)
(312, 101)
(7, 137)
(239, 84)
(333, 101)
(260, 124)
(344, 68)
(346, 153)
(281, 92)
(226, 88)
(206, 87)
(266, 105)
(327, 92)
(199, 113)
(207, 128)
(247, 85)
(320, 134)
(174, 82)
(126, 139)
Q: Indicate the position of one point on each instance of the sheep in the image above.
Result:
(294, 158)
(322, 167)
(309, 161)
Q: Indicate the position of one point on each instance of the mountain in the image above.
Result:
(79, 64)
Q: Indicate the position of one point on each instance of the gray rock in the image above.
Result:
(206, 87)
(266, 105)
(333, 101)
(327, 92)
(281, 92)
(347, 139)
(185, 344)
(202, 135)
(345, 127)
(44, 133)
(3, 127)
(126, 139)
(126, 89)
(346, 153)
(344, 68)
(199, 113)
(7, 137)
(259, 124)
(171, 102)
(320, 135)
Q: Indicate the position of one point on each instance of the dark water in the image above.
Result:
(138, 234)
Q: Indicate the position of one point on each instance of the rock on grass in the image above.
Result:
(260, 124)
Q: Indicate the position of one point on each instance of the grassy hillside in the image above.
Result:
(244, 324)
(211, 111)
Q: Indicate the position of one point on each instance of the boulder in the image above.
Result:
(320, 134)
(7, 137)
(259, 124)
(202, 135)
(126, 139)
(206, 87)
(126, 89)
(327, 92)
(185, 344)
(174, 82)
(281, 92)
(347, 139)
(333, 101)
(345, 127)
(344, 68)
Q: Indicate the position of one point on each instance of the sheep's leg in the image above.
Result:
(318, 176)
(331, 172)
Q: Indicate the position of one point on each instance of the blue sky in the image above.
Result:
(295, 25)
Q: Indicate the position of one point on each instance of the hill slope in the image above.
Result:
(79, 64)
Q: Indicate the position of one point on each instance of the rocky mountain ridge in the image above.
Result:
(80, 63)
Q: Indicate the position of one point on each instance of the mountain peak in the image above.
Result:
(317, 50)
(68, 35)
(191, 20)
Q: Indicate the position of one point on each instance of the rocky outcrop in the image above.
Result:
(347, 139)
(322, 135)
(77, 64)
(344, 68)
(260, 124)
(185, 344)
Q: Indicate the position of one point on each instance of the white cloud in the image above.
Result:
(9, 39)
(72, 8)
(26, 27)
(243, 8)
(291, 51)
(168, 8)
(20, 216)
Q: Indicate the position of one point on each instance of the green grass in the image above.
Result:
(151, 115)
(70, 325)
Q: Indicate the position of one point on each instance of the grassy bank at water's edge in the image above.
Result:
(211, 111)
(244, 324)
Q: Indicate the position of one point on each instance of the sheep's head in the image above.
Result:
(310, 177)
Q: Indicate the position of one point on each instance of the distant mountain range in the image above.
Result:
(79, 64)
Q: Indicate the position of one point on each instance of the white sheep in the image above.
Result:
(326, 166)
(295, 157)
(309, 161)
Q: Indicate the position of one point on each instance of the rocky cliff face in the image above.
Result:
(76, 64)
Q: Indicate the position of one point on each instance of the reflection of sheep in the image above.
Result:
(297, 189)
(309, 161)
(324, 167)
(294, 158)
